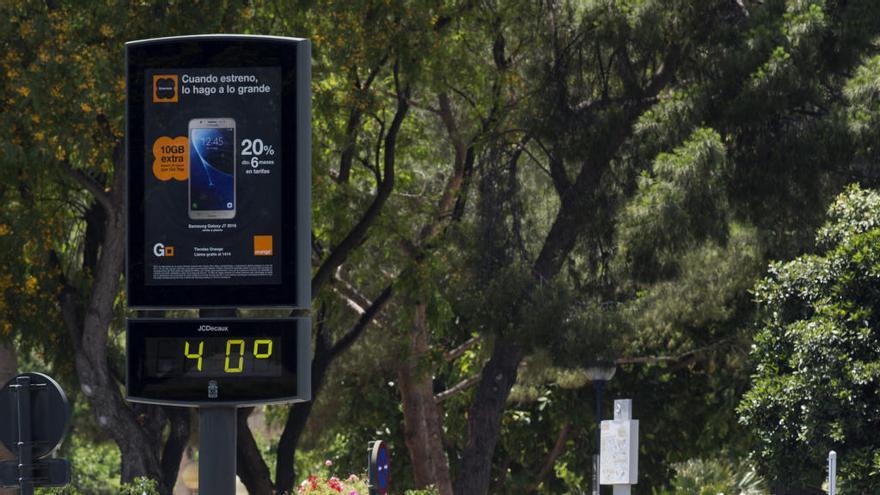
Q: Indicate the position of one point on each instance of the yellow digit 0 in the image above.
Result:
(195, 356)
(240, 367)
(262, 355)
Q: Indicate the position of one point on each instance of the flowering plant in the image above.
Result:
(313, 485)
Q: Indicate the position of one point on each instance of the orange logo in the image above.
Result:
(262, 245)
(171, 158)
(165, 88)
(161, 250)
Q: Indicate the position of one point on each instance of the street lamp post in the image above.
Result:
(599, 372)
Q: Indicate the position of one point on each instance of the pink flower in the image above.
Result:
(328, 463)
(335, 484)
(352, 479)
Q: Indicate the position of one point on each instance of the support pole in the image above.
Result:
(600, 386)
(25, 434)
(218, 436)
(217, 444)
(832, 473)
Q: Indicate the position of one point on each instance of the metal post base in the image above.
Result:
(217, 444)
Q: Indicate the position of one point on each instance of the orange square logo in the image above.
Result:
(169, 251)
(165, 88)
(262, 245)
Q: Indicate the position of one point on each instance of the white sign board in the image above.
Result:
(619, 452)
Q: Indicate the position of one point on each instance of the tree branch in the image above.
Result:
(675, 358)
(555, 452)
(354, 298)
(455, 182)
(90, 185)
(359, 232)
(352, 335)
(460, 350)
(457, 388)
(354, 123)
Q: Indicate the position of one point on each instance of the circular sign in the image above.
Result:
(379, 474)
(49, 413)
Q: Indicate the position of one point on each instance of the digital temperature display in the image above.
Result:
(244, 361)
(213, 357)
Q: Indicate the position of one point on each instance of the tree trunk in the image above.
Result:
(297, 417)
(8, 370)
(252, 470)
(179, 421)
(140, 455)
(423, 427)
(484, 417)
(136, 429)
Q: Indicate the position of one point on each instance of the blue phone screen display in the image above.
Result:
(212, 169)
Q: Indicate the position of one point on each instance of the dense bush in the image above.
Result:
(818, 355)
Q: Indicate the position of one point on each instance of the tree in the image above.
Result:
(661, 130)
(592, 81)
(64, 218)
(376, 88)
(816, 353)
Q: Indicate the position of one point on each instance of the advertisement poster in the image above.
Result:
(212, 176)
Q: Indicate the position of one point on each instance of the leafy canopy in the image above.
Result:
(818, 354)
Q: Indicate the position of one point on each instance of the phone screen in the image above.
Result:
(212, 169)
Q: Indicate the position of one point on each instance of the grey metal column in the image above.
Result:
(217, 444)
(218, 434)
(832, 473)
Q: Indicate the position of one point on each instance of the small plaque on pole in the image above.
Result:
(619, 448)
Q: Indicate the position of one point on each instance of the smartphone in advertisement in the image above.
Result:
(212, 168)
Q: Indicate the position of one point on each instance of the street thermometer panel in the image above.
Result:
(218, 361)
(218, 160)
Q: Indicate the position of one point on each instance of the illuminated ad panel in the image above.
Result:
(218, 138)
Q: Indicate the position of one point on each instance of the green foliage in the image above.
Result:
(816, 350)
(679, 204)
(714, 477)
(692, 323)
(140, 486)
(96, 467)
(426, 491)
(863, 114)
(573, 479)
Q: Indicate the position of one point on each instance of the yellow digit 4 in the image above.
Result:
(240, 367)
(268, 351)
(195, 356)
